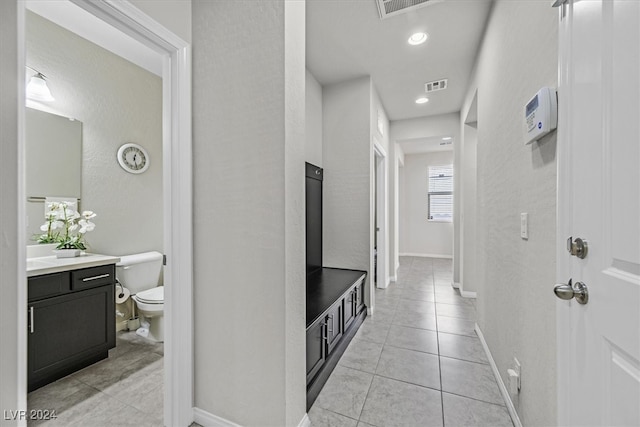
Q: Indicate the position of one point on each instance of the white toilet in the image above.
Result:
(141, 274)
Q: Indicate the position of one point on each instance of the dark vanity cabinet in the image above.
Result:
(71, 321)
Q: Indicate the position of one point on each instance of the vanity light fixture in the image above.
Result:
(422, 100)
(417, 38)
(37, 88)
(447, 138)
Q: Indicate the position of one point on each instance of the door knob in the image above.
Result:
(568, 291)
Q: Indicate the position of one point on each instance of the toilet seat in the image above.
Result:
(151, 296)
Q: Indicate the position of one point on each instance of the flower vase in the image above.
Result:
(67, 253)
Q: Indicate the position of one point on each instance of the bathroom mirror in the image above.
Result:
(53, 163)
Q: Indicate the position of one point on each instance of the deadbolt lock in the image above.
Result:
(577, 247)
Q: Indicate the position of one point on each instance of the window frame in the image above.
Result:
(439, 193)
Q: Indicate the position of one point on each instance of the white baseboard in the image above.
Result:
(306, 422)
(207, 419)
(428, 255)
(455, 285)
(468, 294)
(496, 373)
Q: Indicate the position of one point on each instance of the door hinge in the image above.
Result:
(164, 260)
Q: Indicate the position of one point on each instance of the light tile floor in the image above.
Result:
(124, 390)
(416, 362)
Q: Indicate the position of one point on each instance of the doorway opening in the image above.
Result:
(381, 231)
(175, 68)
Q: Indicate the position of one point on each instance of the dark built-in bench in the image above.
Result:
(335, 311)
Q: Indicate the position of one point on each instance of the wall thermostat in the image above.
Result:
(540, 114)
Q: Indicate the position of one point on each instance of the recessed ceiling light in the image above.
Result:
(417, 38)
(446, 138)
(422, 100)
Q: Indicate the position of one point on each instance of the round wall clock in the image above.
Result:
(133, 158)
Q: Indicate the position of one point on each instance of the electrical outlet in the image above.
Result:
(518, 369)
(524, 225)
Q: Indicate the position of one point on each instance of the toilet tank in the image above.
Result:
(140, 272)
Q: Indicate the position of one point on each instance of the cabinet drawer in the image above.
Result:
(92, 277)
(40, 287)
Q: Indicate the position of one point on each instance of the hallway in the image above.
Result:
(416, 362)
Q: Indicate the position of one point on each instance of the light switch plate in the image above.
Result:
(524, 225)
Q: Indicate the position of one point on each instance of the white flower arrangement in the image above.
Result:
(65, 226)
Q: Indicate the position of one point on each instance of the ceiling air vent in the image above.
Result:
(389, 8)
(436, 85)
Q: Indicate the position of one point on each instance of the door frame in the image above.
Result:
(177, 199)
(564, 214)
(382, 208)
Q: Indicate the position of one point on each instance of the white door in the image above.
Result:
(599, 201)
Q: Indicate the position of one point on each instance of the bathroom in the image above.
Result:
(115, 102)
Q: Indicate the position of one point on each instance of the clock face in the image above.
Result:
(133, 158)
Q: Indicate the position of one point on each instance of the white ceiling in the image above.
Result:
(347, 39)
(425, 145)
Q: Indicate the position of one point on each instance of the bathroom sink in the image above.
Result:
(39, 265)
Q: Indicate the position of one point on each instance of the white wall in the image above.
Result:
(516, 307)
(379, 123)
(468, 276)
(249, 261)
(376, 108)
(420, 236)
(172, 14)
(117, 102)
(11, 381)
(396, 161)
(313, 120)
(347, 190)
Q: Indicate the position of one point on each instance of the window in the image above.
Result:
(440, 198)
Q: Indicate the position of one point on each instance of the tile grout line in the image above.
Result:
(474, 399)
(439, 360)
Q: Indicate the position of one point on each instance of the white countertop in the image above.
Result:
(50, 264)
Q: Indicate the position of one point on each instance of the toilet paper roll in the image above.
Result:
(122, 294)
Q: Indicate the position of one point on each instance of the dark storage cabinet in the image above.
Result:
(316, 348)
(334, 326)
(349, 308)
(71, 322)
(335, 297)
(335, 310)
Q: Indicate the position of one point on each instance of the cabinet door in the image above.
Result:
(349, 309)
(334, 327)
(316, 349)
(69, 332)
(359, 296)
